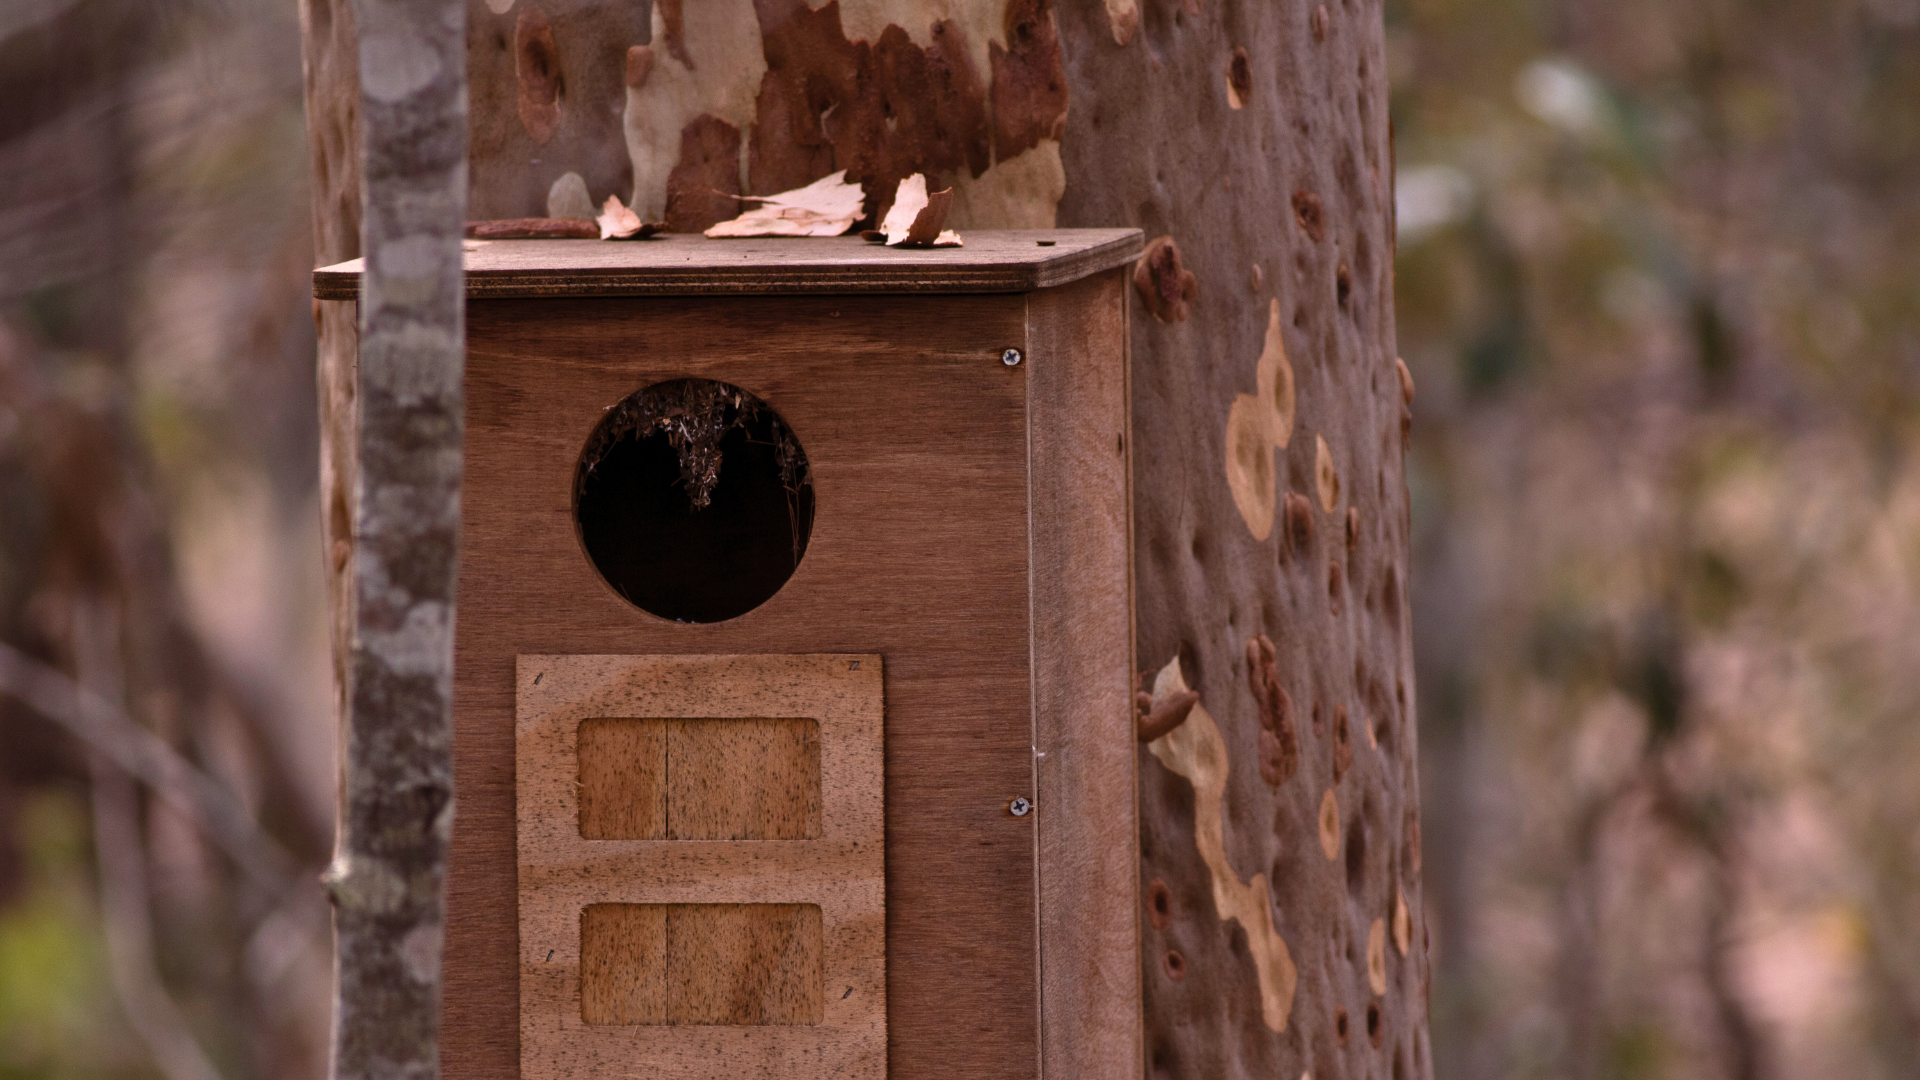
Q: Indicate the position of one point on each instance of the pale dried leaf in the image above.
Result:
(616, 220)
(827, 207)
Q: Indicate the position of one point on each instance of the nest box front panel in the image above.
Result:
(701, 872)
(702, 921)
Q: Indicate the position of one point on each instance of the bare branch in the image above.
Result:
(111, 733)
(129, 933)
(123, 876)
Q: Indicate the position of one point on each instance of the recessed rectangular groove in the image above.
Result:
(695, 779)
(623, 779)
(736, 965)
(623, 964)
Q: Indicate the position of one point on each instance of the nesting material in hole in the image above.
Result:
(694, 500)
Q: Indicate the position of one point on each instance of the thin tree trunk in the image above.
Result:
(396, 814)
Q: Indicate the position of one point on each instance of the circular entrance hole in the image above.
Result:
(694, 500)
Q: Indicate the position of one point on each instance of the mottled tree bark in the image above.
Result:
(396, 811)
(1281, 920)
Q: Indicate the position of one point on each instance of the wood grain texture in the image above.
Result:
(747, 779)
(753, 927)
(916, 433)
(623, 964)
(1005, 261)
(1077, 434)
(623, 778)
(744, 964)
(739, 779)
(700, 964)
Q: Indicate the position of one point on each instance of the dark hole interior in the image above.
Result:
(638, 483)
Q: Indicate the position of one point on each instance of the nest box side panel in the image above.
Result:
(711, 924)
(1082, 638)
(916, 435)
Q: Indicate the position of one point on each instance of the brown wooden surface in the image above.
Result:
(1077, 429)
(748, 779)
(623, 964)
(742, 779)
(991, 261)
(623, 778)
(744, 964)
(753, 928)
(918, 437)
(693, 964)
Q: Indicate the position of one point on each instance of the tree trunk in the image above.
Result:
(399, 406)
(1282, 929)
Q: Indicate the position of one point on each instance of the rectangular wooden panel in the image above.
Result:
(916, 435)
(623, 778)
(726, 964)
(754, 929)
(733, 779)
(623, 964)
(747, 779)
(744, 964)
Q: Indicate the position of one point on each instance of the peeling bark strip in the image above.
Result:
(387, 879)
(1029, 81)
(881, 111)
(700, 186)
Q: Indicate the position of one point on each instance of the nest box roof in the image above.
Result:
(1010, 261)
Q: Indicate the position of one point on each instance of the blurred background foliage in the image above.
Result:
(1657, 284)
(159, 539)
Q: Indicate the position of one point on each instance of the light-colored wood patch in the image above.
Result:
(744, 964)
(773, 950)
(707, 779)
(730, 964)
(748, 779)
(623, 774)
(623, 964)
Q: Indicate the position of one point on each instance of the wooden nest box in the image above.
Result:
(793, 727)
